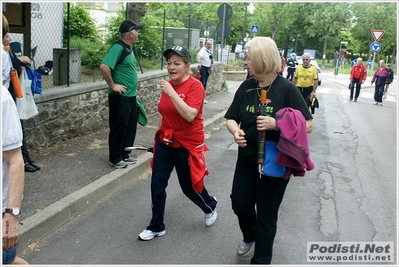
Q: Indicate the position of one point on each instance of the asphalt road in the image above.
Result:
(349, 197)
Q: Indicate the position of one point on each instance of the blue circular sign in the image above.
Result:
(375, 47)
(369, 62)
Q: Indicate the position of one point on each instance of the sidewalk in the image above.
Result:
(75, 175)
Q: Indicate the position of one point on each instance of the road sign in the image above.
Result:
(375, 47)
(369, 62)
(254, 28)
(377, 34)
(227, 29)
(228, 14)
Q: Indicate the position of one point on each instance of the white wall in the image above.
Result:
(47, 26)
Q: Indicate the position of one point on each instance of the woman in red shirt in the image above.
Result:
(179, 143)
(358, 76)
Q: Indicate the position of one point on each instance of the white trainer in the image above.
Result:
(210, 218)
(147, 235)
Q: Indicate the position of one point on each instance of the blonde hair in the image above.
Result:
(6, 27)
(265, 57)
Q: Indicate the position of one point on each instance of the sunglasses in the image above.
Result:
(305, 59)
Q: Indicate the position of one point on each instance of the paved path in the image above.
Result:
(75, 174)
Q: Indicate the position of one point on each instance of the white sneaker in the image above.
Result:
(148, 234)
(380, 104)
(205, 102)
(210, 218)
(375, 103)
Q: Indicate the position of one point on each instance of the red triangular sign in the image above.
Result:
(377, 34)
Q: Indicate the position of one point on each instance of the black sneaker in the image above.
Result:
(29, 168)
(34, 165)
(120, 165)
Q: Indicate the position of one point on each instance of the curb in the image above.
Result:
(48, 220)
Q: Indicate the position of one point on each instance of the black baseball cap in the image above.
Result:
(180, 50)
(129, 25)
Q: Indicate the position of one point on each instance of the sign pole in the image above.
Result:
(224, 21)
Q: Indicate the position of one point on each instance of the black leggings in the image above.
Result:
(266, 194)
(305, 91)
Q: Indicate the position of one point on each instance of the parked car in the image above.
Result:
(314, 63)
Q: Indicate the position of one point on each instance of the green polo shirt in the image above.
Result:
(124, 72)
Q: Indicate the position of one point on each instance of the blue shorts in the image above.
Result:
(9, 255)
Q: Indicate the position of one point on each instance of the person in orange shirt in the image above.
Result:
(357, 76)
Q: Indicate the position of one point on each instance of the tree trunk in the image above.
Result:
(135, 11)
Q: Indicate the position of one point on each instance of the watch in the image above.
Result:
(14, 211)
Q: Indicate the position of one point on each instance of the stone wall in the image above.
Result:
(82, 109)
(235, 75)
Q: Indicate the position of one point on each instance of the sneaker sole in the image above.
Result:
(162, 233)
(118, 167)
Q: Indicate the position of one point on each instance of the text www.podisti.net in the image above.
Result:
(350, 252)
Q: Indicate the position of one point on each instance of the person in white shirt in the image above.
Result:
(205, 60)
(12, 178)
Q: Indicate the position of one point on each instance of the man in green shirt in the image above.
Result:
(119, 71)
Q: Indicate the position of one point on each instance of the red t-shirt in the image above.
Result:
(182, 133)
(192, 92)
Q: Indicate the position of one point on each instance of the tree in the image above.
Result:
(379, 16)
(326, 21)
(149, 43)
(274, 16)
(80, 23)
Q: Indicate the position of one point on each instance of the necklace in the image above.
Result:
(267, 88)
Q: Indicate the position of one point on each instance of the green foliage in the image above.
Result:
(376, 15)
(295, 26)
(92, 52)
(225, 87)
(113, 27)
(234, 65)
(81, 24)
(149, 43)
(148, 65)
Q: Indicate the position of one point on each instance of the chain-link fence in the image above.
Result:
(67, 41)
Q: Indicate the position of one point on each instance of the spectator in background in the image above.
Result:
(283, 62)
(291, 66)
(12, 177)
(205, 61)
(381, 79)
(10, 61)
(306, 77)
(358, 76)
(390, 80)
(121, 77)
